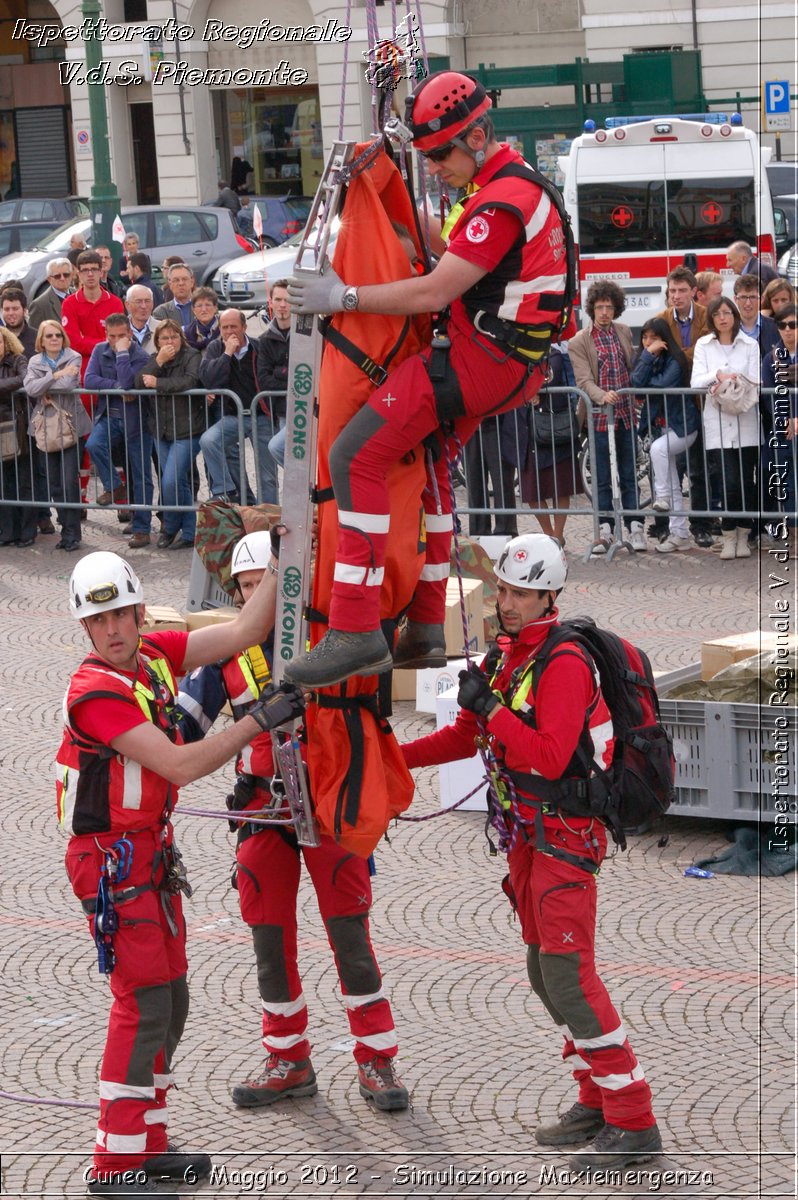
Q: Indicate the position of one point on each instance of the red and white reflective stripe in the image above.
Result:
(110, 1090)
(163, 1081)
(602, 735)
(370, 576)
(283, 1043)
(131, 797)
(614, 1083)
(438, 522)
(517, 292)
(366, 522)
(359, 1001)
(156, 1116)
(246, 760)
(616, 1037)
(122, 1143)
(289, 1008)
(539, 217)
(66, 790)
(379, 1041)
(434, 572)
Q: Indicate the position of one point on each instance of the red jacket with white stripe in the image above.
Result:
(567, 691)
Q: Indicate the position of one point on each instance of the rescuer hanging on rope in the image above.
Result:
(502, 290)
(119, 766)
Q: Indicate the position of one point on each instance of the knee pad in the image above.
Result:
(270, 958)
(177, 1023)
(560, 974)
(346, 447)
(154, 1006)
(535, 974)
(357, 967)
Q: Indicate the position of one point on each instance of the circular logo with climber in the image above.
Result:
(303, 380)
(292, 583)
(477, 229)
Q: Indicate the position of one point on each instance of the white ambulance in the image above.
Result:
(648, 194)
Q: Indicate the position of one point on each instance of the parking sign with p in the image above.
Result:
(776, 102)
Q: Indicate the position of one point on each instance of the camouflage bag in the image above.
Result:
(219, 526)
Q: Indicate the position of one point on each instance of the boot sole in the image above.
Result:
(384, 1101)
(247, 1098)
(435, 659)
(377, 668)
(614, 1162)
(573, 1137)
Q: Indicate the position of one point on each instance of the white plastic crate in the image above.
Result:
(725, 754)
(203, 590)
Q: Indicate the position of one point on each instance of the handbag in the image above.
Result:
(53, 428)
(553, 427)
(734, 396)
(9, 442)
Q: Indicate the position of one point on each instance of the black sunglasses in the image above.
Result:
(787, 324)
(439, 155)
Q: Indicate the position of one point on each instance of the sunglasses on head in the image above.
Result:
(787, 324)
(438, 155)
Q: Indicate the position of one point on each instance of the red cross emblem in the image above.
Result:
(712, 213)
(622, 216)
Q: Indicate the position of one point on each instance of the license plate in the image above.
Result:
(644, 300)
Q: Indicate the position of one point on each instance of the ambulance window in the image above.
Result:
(621, 216)
(711, 212)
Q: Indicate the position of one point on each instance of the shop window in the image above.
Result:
(276, 134)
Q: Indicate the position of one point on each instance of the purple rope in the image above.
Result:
(21, 1099)
(259, 816)
(451, 807)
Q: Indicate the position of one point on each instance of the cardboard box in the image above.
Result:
(453, 624)
(722, 652)
(209, 616)
(434, 681)
(457, 779)
(159, 617)
(403, 685)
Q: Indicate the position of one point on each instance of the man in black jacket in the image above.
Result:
(272, 364)
(229, 363)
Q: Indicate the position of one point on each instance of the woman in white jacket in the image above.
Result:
(731, 441)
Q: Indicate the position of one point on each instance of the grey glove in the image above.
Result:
(278, 706)
(317, 293)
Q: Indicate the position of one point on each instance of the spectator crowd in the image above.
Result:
(158, 366)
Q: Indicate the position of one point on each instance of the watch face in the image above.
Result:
(350, 300)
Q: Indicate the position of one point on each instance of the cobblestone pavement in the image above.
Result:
(701, 970)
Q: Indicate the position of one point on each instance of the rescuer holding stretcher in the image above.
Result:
(500, 288)
(269, 862)
(121, 761)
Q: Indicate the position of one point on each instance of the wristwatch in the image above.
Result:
(349, 300)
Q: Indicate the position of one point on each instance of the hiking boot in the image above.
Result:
(118, 496)
(420, 646)
(132, 1182)
(174, 1164)
(378, 1081)
(339, 655)
(279, 1080)
(579, 1124)
(615, 1147)
(139, 540)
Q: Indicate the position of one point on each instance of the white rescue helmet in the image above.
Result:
(252, 553)
(100, 582)
(535, 561)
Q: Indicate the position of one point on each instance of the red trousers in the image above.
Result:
(396, 419)
(149, 1003)
(556, 904)
(268, 874)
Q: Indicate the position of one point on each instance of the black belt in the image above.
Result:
(119, 896)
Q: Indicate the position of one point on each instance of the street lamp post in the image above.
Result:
(104, 200)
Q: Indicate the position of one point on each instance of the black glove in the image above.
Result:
(278, 706)
(475, 692)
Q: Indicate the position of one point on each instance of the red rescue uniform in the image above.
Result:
(537, 735)
(102, 798)
(509, 226)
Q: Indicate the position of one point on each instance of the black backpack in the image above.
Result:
(638, 787)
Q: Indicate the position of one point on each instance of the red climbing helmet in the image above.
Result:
(443, 106)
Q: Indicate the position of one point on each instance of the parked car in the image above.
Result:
(24, 235)
(788, 265)
(43, 209)
(204, 237)
(282, 217)
(782, 178)
(241, 283)
(785, 220)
